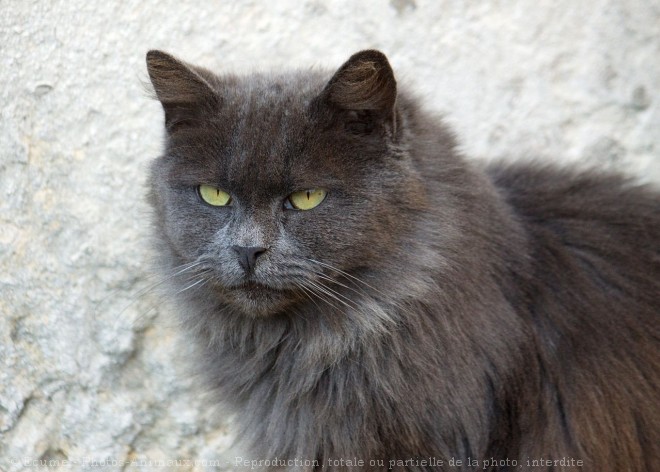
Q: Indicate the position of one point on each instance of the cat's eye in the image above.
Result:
(305, 199)
(213, 195)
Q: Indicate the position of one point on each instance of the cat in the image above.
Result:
(365, 298)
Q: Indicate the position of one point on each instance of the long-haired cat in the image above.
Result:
(363, 297)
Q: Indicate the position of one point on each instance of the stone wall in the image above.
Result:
(91, 365)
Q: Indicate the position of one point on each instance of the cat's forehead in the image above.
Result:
(291, 90)
(265, 129)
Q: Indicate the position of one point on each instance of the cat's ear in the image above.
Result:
(364, 89)
(182, 89)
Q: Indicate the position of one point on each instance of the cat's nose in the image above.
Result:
(247, 256)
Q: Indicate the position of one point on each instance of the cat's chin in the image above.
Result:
(258, 300)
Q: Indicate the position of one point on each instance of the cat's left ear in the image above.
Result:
(363, 90)
(183, 90)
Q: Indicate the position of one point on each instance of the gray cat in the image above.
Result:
(366, 299)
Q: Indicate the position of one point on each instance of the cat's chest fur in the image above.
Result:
(356, 289)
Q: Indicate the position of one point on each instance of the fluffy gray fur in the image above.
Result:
(426, 308)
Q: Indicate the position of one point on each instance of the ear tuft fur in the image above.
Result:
(182, 89)
(365, 82)
(362, 94)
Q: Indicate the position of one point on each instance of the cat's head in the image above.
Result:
(275, 187)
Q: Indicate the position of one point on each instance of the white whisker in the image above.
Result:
(352, 278)
(332, 294)
(346, 274)
(318, 293)
(179, 270)
(201, 280)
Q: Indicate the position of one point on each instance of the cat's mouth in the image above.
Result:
(256, 298)
(252, 286)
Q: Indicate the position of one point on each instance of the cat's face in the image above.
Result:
(276, 185)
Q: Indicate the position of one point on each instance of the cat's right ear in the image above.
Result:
(182, 90)
(362, 93)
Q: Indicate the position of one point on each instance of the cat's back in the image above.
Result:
(592, 235)
(593, 301)
(587, 212)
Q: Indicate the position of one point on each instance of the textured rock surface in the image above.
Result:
(90, 369)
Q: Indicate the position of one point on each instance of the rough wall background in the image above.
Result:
(90, 369)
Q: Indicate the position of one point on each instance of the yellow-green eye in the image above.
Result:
(214, 196)
(305, 199)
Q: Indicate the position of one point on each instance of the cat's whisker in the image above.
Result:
(329, 279)
(320, 294)
(346, 274)
(333, 294)
(139, 293)
(330, 292)
(179, 270)
(309, 294)
(341, 295)
(305, 290)
(203, 280)
(354, 279)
